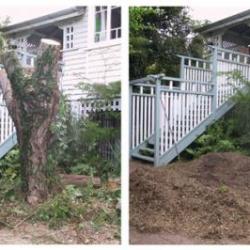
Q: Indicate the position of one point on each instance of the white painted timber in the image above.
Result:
(186, 105)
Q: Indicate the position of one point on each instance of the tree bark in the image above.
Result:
(33, 102)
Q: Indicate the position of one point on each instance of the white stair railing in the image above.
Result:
(170, 109)
(182, 110)
(6, 124)
(142, 106)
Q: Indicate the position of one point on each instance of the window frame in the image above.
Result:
(69, 31)
(115, 29)
(92, 26)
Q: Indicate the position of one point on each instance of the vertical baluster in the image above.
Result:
(153, 114)
(167, 121)
(162, 123)
(214, 77)
(173, 118)
(198, 108)
(202, 107)
(182, 114)
(141, 115)
(176, 122)
(5, 123)
(137, 113)
(179, 116)
(145, 117)
(149, 113)
(190, 74)
(170, 118)
(188, 114)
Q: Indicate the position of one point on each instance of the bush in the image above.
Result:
(78, 144)
(9, 175)
(220, 137)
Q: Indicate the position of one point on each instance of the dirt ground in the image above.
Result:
(202, 201)
(96, 223)
(39, 233)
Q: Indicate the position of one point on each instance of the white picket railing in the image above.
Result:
(142, 110)
(83, 107)
(181, 110)
(6, 125)
(229, 61)
(167, 109)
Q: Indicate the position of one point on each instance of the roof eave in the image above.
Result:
(222, 24)
(31, 24)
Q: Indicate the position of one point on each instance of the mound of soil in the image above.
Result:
(207, 199)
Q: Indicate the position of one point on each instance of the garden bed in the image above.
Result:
(202, 201)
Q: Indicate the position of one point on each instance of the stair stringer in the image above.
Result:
(194, 133)
(8, 144)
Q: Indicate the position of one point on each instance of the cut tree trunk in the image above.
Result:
(33, 102)
(84, 180)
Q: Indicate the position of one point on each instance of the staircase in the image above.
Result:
(168, 114)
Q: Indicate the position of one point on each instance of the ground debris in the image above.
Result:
(206, 199)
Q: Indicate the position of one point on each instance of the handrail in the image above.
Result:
(166, 78)
(186, 91)
(194, 58)
(229, 51)
(233, 62)
(196, 68)
(144, 79)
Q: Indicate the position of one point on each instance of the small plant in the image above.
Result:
(9, 175)
(61, 207)
(218, 138)
(79, 204)
(223, 188)
(83, 169)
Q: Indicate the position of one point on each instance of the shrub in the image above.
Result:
(78, 144)
(220, 137)
(9, 175)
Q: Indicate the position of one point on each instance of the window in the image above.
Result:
(107, 23)
(69, 37)
(100, 24)
(115, 31)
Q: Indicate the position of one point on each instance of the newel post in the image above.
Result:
(157, 120)
(214, 78)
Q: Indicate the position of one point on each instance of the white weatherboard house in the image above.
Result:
(90, 39)
(168, 114)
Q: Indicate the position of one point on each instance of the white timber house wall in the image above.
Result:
(86, 59)
(90, 40)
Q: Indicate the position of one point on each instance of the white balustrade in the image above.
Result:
(185, 102)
